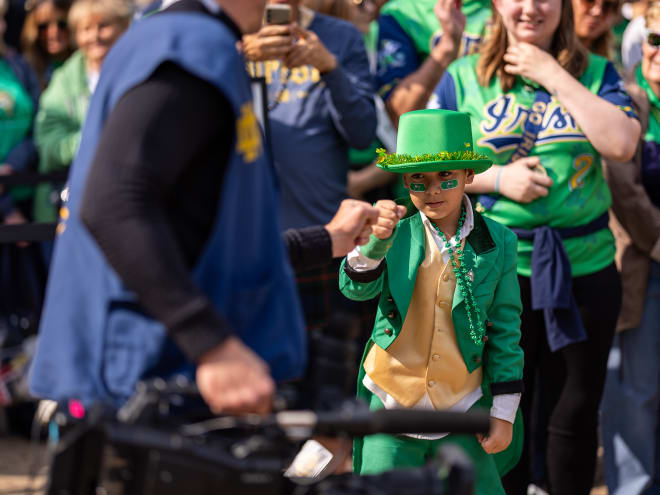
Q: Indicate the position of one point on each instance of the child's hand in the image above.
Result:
(388, 216)
(499, 438)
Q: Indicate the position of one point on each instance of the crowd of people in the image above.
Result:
(563, 98)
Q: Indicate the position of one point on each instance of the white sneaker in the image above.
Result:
(535, 490)
(315, 462)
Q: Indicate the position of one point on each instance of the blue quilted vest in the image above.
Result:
(95, 342)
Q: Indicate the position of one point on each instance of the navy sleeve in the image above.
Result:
(25, 75)
(352, 105)
(444, 94)
(23, 156)
(6, 205)
(397, 56)
(612, 90)
(309, 248)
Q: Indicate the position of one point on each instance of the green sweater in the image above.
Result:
(62, 109)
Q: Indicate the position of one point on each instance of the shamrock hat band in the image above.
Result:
(406, 164)
(433, 141)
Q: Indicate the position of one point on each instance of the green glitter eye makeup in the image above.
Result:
(444, 185)
(449, 184)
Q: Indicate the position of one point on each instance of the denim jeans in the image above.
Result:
(630, 410)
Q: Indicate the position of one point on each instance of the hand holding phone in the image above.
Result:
(275, 39)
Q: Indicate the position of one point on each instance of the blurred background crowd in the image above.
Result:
(333, 99)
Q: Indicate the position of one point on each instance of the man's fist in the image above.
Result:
(351, 226)
(389, 214)
(233, 379)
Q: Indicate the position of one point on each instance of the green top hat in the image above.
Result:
(433, 141)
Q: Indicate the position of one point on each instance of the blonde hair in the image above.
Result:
(33, 51)
(119, 10)
(566, 48)
(652, 12)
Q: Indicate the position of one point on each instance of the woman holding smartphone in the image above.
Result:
(546, 111)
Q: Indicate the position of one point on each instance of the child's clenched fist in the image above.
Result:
(389, 214)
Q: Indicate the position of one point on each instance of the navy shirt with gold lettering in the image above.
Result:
(315, 118)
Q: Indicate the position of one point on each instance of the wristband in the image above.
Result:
(376, 248)
(496, 187)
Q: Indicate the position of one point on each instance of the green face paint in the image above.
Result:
(449, 184)
(417, 187)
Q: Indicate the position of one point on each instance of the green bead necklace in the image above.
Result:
(464, 282)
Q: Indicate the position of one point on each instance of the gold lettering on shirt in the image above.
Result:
(273, 70)
(248, 135)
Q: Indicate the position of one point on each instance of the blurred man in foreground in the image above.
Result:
(169, 254)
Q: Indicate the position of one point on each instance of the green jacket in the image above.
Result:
(62, 110)
(491, 253)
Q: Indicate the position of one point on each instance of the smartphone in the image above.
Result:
(277, 13)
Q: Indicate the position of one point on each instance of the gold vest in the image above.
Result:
(425, 356)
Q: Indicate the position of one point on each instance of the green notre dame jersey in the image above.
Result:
(418, 20)
(408, 30)
(579, 193)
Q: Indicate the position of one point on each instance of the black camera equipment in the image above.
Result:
(334, 357)
(164, 441)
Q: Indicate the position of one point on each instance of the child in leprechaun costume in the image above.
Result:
(448, 322)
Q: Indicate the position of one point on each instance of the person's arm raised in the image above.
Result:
(413, 92)
(613, 133)
(316, 246)
(350, 87)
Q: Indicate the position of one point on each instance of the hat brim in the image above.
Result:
(478, 166)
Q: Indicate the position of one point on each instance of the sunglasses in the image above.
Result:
(652, 39)
(61, 25)
(606, 7)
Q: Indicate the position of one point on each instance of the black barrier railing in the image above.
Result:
(32, 178)
(164, 441)
(27, 232)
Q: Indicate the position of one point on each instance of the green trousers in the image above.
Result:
(380, 453)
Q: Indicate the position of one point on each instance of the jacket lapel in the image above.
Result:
(403, 259)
